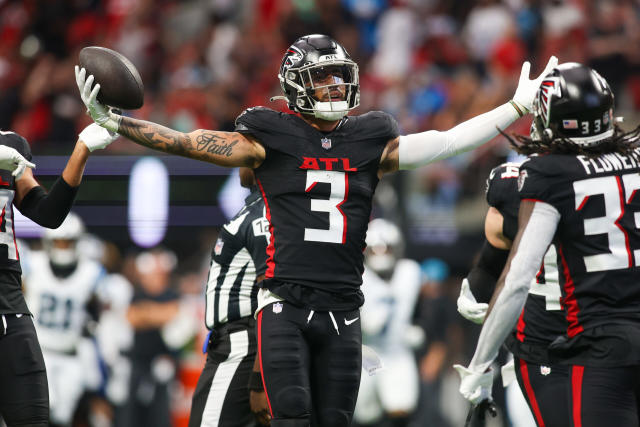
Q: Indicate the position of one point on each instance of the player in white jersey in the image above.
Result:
(59, 287)
(391, 286)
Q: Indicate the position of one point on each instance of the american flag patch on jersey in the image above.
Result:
(570, 124)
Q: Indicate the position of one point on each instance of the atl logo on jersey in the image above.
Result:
(327, 164)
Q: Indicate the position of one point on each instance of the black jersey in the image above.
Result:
(11, 298)
(318, 189)
(542, 319)
(598, 245)
(237, 258)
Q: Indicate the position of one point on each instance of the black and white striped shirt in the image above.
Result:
(238, 257)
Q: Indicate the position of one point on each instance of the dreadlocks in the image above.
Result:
(620, 142)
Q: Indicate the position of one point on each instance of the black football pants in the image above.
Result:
(311, 364)
(546, 389)
(24, 393)
(604, 396)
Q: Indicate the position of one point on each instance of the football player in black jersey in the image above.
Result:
(579, 193)
(230, 391)
(317, 171)
(24, 396)
(544, 384)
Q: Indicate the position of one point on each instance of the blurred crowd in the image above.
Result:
(431, 63)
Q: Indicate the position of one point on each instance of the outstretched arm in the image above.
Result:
(49, 209)
(221, 148)
(419, 149)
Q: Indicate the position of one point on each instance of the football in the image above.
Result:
(120, 82)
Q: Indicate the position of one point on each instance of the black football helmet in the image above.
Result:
(573, 102)
(319, 78)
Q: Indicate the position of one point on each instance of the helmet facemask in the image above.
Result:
(316, 87)
(61, 244)
(319, 78)
(385, 246)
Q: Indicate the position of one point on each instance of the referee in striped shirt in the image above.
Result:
(229, 393)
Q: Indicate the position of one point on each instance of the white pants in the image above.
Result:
(69, 376)
(66, 385)
(395, 388)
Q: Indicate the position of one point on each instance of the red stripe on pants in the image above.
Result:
(577, 372)
(530, 394)
(264, 385)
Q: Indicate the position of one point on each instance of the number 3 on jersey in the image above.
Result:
(613, 189)
(338, 195)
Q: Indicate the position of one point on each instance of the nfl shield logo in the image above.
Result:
(326, 143)
(277, 307)
(545, 370)
(218, 248)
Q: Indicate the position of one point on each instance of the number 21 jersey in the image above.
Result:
(318, 189)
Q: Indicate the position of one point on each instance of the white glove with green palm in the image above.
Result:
(475, 386)
(101, 114)
(468, 307)
(12, 160)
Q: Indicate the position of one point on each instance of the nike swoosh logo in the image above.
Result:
(348, 322)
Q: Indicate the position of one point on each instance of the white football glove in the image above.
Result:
(96, 137)
(100, 114)
(12, 160)
(468, 307)
(475, 387)
(527, 89)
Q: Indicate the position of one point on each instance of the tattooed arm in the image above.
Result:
(222, 148)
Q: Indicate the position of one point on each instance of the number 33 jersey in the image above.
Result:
(598, 246)
(318, 189)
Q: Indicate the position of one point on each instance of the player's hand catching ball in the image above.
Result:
(101, 114)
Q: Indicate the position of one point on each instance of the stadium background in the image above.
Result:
(430, 63)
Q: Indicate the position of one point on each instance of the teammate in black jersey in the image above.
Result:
(317, 171)
(238, 262)
(544, 384)
(24, 397)
(579, 193)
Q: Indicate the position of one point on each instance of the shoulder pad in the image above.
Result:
(540, 175)
(377, 124)
(254, 114)
(263, 119)
(502, 183)
(551, 166)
